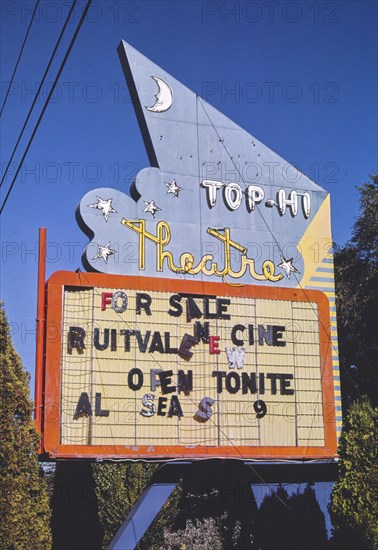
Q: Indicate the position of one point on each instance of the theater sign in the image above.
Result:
(205, 324)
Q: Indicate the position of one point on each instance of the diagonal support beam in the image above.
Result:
(141, 516)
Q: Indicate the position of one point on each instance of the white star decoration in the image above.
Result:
(104, 252)
(105, 206)
(287, 265)
(151, 207)
(173, 188)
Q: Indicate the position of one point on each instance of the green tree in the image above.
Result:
(24, 503)
(354, 502)
(112, 498)
(356, 278)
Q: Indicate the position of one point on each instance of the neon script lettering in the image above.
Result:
(206, 264)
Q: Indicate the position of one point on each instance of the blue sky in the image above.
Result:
(299, 76)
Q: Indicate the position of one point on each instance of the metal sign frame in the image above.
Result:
(52, 375)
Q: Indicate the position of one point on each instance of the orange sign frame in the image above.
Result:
(51, 371)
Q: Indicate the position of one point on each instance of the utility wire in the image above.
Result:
(19, 57)
(38, 91)
(73, 40)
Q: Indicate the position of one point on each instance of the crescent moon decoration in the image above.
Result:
(164, 97)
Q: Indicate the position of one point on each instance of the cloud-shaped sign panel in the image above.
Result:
(217, 204)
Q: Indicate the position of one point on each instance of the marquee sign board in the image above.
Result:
(169, 368)
(209, 328)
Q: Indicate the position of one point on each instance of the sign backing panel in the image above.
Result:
(148, 368)
(254, 218)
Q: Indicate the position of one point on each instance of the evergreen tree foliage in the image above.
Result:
(354, 503)
(24, 503)
(112, 497)
(292, 522)
(356, 279)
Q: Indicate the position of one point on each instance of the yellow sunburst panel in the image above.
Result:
(316, 249)
(316, 242)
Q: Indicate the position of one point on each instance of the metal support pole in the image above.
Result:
(141, 516)
(40, 336)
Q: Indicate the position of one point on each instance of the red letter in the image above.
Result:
(106, 298)
(214, 345)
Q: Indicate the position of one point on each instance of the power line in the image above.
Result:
(73, 40)
(19, 57)
(38, 91)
